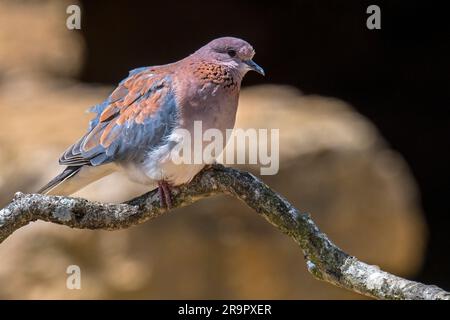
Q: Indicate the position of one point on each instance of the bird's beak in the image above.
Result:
(253, 66)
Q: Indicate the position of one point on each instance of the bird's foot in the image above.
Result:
(165, 194)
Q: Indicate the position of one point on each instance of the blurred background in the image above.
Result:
(364, 126)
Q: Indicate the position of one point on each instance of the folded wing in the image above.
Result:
(135, 118)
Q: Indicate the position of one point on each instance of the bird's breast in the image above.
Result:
(209, 102)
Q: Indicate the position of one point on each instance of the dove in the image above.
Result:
(135, 129)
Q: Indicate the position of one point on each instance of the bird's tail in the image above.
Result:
(74, 178)
(57, 182)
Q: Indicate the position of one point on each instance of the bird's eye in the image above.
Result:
(232, 53)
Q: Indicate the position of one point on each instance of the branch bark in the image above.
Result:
(324, 260)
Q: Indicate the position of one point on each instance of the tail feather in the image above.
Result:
(74, 178)
(59, 179)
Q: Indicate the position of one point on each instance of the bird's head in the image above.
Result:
(232, 52)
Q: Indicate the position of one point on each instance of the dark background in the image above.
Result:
(399, 76)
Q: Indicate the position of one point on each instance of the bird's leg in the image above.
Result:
(165, 194)
(161, 195)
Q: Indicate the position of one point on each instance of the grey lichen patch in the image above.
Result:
(314, 270)
(63, 212)
(4, 215)
(18, 195)
(359, 271)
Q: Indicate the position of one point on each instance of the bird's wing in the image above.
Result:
(136, 117)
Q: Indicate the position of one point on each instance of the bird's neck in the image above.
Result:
(225, 76)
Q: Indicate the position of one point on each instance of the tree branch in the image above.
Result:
(324, 260)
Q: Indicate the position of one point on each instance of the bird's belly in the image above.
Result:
(177, 174)
(174, 174)
(158, 165)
